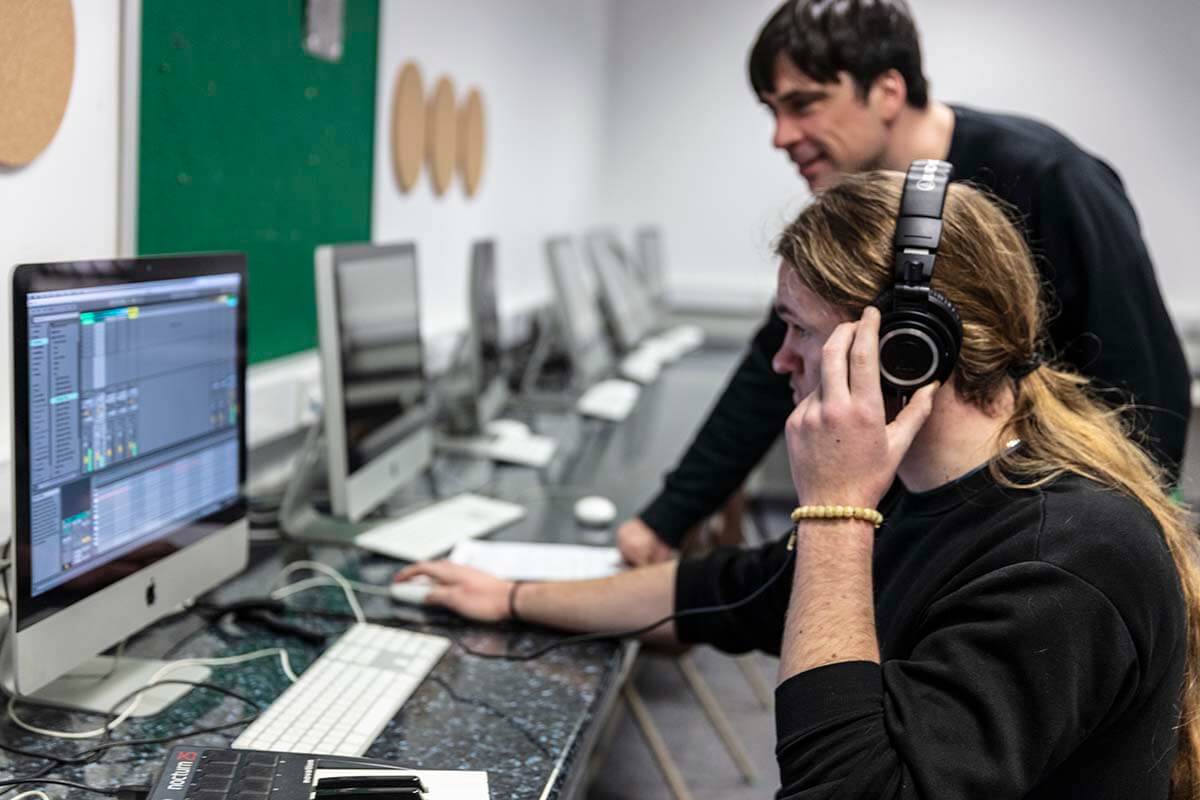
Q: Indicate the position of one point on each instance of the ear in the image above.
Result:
(888, 95)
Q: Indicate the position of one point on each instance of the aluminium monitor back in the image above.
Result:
(578, 312)
(651, 263)
(630, 313)
(376, 411)
(489, 383)
(129, 449)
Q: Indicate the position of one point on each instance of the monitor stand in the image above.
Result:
(100, 683)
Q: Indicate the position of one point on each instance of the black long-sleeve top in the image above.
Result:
(1032, 642)
(1108, 319)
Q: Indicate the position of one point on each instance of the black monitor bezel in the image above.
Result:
(359, 252)
(33, 278)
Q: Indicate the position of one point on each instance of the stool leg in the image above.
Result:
(716, 716)
(604, 741)
(658, 747)
(758, 684)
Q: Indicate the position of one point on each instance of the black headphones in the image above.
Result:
(920, 331)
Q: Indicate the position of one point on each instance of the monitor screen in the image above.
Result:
(131, 422)
(485, 316)
(383, 385)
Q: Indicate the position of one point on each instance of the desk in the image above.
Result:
(530, 725)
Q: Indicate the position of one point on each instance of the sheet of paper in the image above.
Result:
(442, 784)
(527, 561)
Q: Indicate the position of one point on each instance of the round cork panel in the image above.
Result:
(37, 65)
(442, 126)
(470, 142)
(408, 126)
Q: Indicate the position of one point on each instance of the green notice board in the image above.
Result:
(249, 143)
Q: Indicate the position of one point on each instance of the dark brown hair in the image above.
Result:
(865, 38)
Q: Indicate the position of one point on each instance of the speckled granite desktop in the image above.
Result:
(525, 723)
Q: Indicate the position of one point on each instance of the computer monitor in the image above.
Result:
(651, 264)
(378, 430)
(579, 313)
(627, 304)
(489, 383)
(129, 451)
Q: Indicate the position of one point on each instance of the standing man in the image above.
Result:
(845, 85)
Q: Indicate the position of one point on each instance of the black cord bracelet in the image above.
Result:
(513, 616)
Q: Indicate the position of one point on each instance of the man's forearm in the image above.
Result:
(629, 600)
(831, 614)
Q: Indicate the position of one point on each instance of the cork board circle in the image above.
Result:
(470, 142)
(408, 126)
(37, 65)
(440, 135)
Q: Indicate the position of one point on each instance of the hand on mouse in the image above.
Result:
(464, 590)
(640, 545)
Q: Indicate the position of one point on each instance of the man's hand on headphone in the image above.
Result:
(841, 448)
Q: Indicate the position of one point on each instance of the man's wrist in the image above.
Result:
(835, 534)
(513, 588)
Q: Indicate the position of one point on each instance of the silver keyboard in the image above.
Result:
(343, 701)
(611, 399)
(430, 531)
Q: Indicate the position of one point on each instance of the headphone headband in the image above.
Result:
(919, 226)
(920, 332)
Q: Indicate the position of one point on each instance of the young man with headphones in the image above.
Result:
(844, 83)
(986, 594)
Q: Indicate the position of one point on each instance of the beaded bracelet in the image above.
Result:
(838, 512)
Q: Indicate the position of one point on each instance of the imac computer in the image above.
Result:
(579, 313)
(489, 383)
(129, 460)
(627, 304)
(377, 425)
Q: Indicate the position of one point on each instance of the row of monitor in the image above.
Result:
(129, 439)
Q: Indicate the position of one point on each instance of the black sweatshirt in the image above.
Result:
(1087, 243)
(1033, 645)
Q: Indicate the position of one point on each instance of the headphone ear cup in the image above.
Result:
(919, 342)
(941, 306)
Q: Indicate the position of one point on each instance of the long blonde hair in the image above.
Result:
(841, 248)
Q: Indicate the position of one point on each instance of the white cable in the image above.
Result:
(314, 566)
(166, 669)
(323, 580)
(38, 793)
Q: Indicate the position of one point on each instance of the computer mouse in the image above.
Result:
(507, 428)
(413, 591)
(595, 510)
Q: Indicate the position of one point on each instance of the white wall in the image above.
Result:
(1118, 78)
(541, 68)
(629, 112)
(689, 148)
(64, 204)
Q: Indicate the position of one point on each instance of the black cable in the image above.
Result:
(606, 635)
(17, 782)
(113, 713)
(89, 755)
(486, 706)
(585, 638)
(177, 736)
